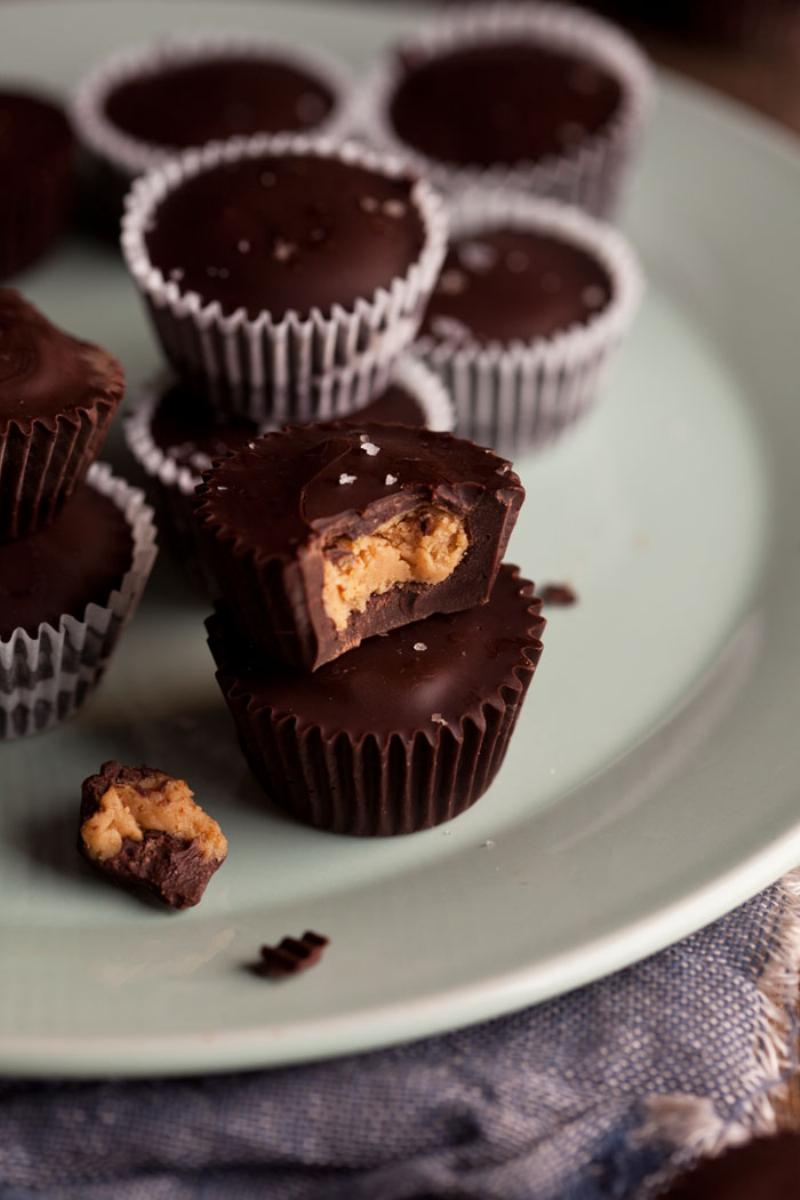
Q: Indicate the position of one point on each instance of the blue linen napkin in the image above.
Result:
(602, 1093)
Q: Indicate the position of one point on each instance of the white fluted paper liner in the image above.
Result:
(275, 367)
(408, 373)
(46, 677)
(519, 396)
(590, 174)
(131, 156)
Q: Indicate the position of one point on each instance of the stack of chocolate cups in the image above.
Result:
(372, 649)
(76, 543)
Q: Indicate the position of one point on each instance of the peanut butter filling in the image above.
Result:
(158, 803)
(424, 546)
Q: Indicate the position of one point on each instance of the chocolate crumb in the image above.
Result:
(558, 594)
(291, 956)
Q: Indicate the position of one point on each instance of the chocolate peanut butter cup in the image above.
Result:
(270, 266)
(542, 99)
(57, 397)
(398, 735)
(175, 436)
(66, 594)
(37, 166)
(533, 299)
(143, 829)
(142, 104)
(322, 535)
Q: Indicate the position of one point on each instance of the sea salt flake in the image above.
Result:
(420, 646)
(370, 448)
(251, 445)
(389, 480)
(477, 256)
(221, 488)
(243, 246)
(344, 479)
(283, 251)
(394, 208)
(438, 719)
(452, 282)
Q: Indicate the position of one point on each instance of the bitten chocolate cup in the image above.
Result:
(57, 398)
(534, 299)
(174, 437)
(37, 166)
(142, 104)
(401, 734)
(271, 265)
(144, 830)
(544, 99)
(76, 585)
(322, 535)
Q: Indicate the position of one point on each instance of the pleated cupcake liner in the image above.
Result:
(174, 485)
(520, 396)
(126, 156)
(376, 785)
(591, 174)
(43, 460)
(44, 678)
(270, 367)
(35, 212)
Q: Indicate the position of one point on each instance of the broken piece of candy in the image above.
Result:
(322, 535)
(291, 955)
(142, 829)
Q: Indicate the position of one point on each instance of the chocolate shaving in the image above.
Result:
(557, 594)
(291, 956)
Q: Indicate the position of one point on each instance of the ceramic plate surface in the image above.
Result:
(653, 780)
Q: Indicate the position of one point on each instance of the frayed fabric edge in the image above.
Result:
(690, 1124)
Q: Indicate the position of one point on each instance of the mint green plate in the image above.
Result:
(654, 780)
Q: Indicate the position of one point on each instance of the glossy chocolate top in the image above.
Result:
(501, 103)
(43, 371)
(32, 129)
(281, 234)
(312, 480)
(413, 679)
(765, 1169)
(82, 557)
(194, 435)
(511, 284)
(187, 104)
